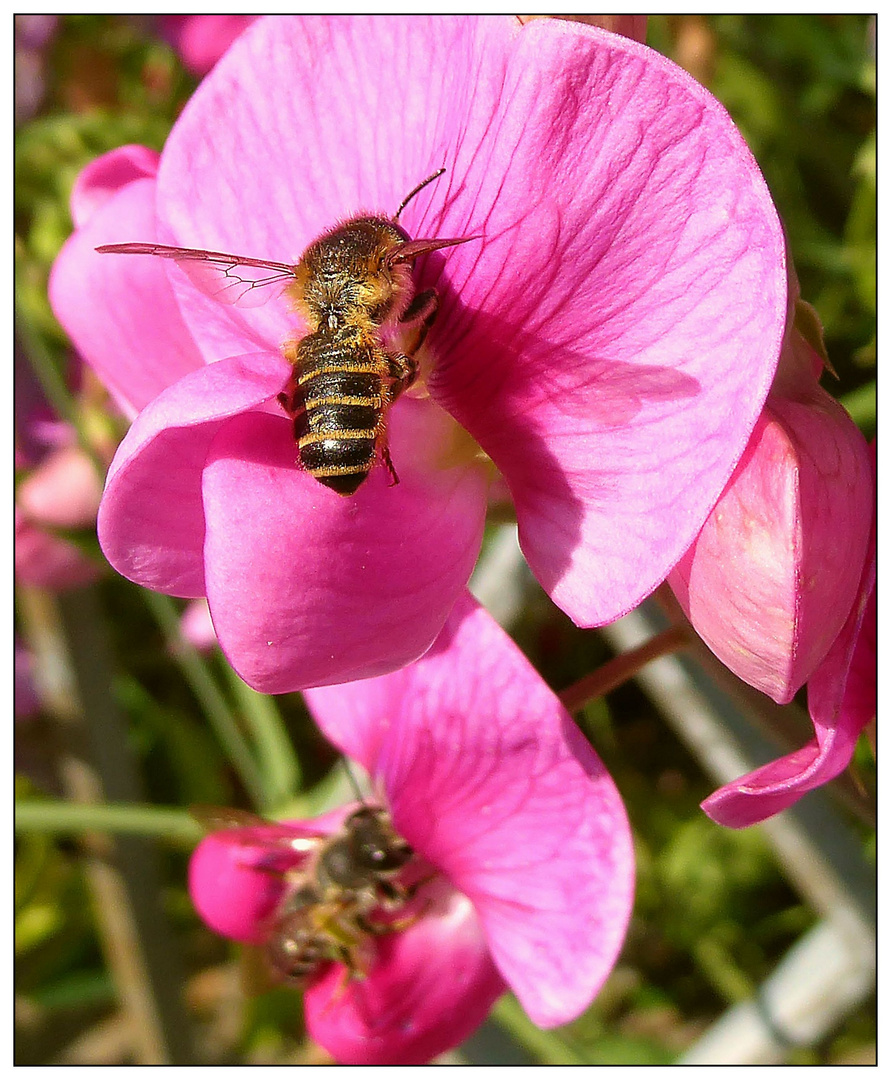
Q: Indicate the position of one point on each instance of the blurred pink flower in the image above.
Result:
(26, 700)
(493, 786)
(772, 577)
(32, 37)
(841, 697)
(202, 39)
(196, 626)
(609, 342)
(60, 491)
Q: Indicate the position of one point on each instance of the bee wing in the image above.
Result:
(251, 831)
(231, 279)
(220, 818)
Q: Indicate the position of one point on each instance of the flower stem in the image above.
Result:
(278, 761)
(95, 762)
(216, 708)
(620, 669)
(137, 819)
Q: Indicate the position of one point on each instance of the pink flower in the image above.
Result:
(507, 806)
(841, 696)
(26, 702)
(632, 26)
(196, 626)
(59, 492)
(608, 342)
(773, 575)
(202, 39)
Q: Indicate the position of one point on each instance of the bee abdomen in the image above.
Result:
(343, 414)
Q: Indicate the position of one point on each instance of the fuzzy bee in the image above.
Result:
(354, 288)
(338, 899)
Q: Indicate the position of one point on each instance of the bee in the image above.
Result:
(354, 288)
(338, 899)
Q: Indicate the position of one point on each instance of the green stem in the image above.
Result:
(621, 668)
(548, 1047)
(216, 708)
(277, 758)
(136, 819)
(718, 966)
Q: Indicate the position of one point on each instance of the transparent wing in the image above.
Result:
(253, 831)
(231, 279)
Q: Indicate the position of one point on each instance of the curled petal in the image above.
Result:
(151, 520)
(859, 701)
(841, 700)
(233, 896)
(107, 175)
(119, 310)
(774, 572)
(237, 875)
(430, 987)
(491, 782)
(202, 39)
(338, 589)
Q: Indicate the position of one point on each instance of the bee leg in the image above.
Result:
(403, 372)
(388, 461)
(418, 318)
(291, 396)
(392, 926)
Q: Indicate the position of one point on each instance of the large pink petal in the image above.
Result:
(119, 310)
(630, 318)
(151, 520)
(307, 588)
(772, 576)
(489, 779)
(250, 170)
(430, 987)
(611, 337)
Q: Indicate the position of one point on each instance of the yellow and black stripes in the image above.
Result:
(341, 378)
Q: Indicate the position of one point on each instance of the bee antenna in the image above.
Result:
(354, 782)
(414, 191)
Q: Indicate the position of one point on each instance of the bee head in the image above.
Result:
(348, 274)
(368, 850)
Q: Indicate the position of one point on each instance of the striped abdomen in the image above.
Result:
(341, 380)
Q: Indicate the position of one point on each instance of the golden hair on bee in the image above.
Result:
(354, 288)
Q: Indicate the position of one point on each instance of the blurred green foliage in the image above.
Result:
(713, 912)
